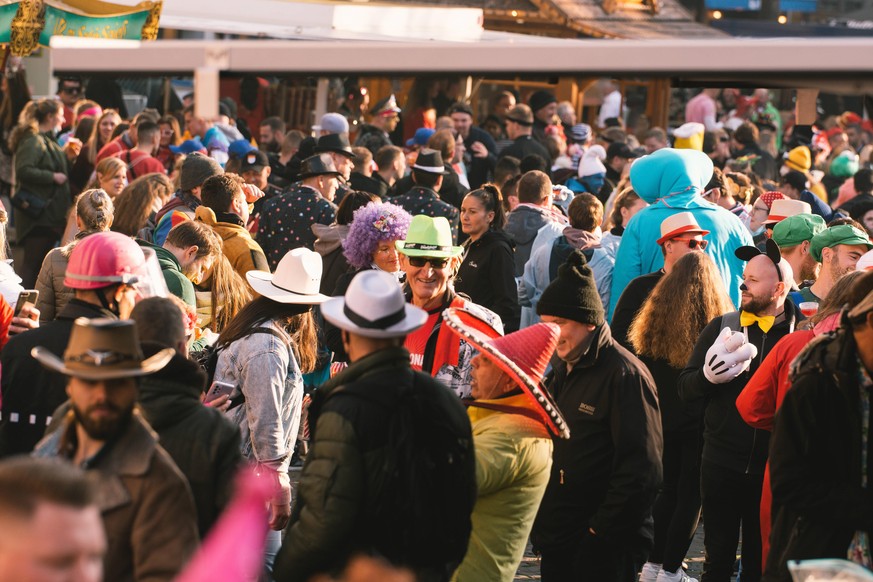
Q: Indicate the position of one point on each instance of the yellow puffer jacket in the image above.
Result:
(513, 461)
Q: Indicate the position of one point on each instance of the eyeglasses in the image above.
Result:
(693, 243)
(422, 261)
(71, 90)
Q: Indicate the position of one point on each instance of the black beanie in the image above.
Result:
(540, 99)
(573, 294)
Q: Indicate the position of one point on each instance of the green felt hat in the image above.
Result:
(429, 237)
(791, 231)
(843, 234)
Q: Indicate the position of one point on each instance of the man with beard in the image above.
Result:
(838, 249)
(144, 500)
(271, 135)
(794, 237)
(728, 351)
(102, 272)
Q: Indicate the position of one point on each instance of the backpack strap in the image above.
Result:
(732, 321)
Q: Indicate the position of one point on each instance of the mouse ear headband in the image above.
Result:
(747, 253)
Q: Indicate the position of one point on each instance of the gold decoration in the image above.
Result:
(150, 28)
(26, 27)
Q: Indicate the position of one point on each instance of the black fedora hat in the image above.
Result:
(318, 165)
(335, 142)
(430, 162)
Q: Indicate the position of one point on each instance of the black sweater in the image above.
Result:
(487, 276)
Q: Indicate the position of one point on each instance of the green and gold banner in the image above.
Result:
(26, 24)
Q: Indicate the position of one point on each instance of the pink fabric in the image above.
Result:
(234, 549)
(699, 108)
(847, 192)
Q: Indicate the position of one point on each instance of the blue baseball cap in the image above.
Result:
(422, 134)
(189, 146)
(240, 147)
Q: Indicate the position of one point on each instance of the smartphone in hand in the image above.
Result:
(217, 390)
(26, 297)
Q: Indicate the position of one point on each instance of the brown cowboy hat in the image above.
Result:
(103, 349)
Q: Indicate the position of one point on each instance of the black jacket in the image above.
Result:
(727, 440)
(373, 185)
(344, 505)
(606, 476)
(203, 443)
(421, 200)
(487, 276)
(526, 145)
(451, 192)
(479, 169)
(629, 303)
(815, 459)
(31, 392)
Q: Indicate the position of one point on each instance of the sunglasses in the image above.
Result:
(693, 243)
(422, 261)
(71, 90)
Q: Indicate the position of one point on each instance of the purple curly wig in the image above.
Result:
(372, 224)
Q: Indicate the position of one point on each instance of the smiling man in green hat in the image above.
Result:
(430, 262)
(794, 235)
(838, 249)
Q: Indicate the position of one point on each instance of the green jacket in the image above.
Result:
(37, 158)
(513, 461)
(177, 283)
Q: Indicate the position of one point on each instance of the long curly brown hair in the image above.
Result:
(677, 310)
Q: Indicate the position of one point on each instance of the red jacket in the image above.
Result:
(763, 395)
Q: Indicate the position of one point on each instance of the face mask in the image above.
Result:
(758, 230)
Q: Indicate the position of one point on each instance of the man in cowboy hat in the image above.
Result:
(380, 413)
(428, 173)
(680, 235)
(286, 221)
(145, 502)
(337, 146)
(595, 520)
(511, 416)
(727, 353)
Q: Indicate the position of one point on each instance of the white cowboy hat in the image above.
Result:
(296, 280)
(374, 306)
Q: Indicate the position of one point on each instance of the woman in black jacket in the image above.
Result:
(487, 273)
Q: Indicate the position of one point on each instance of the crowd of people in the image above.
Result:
(470, 338)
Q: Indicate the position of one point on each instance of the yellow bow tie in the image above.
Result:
(765, 322)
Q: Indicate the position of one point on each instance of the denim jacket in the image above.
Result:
(264, 369)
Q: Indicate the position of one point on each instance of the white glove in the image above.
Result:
(729, 356)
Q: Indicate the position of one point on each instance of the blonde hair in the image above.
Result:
(95, 209)
(106, 167)
(667, 327)
(230, 293)
(95, 142)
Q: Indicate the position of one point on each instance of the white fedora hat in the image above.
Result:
(677, 224)
(785, 207)
(374, 306)
(296, 280)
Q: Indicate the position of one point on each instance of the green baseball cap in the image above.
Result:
(791, 231)
(428, 237)
(843, 234)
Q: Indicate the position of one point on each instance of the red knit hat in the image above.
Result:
(523, 355)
